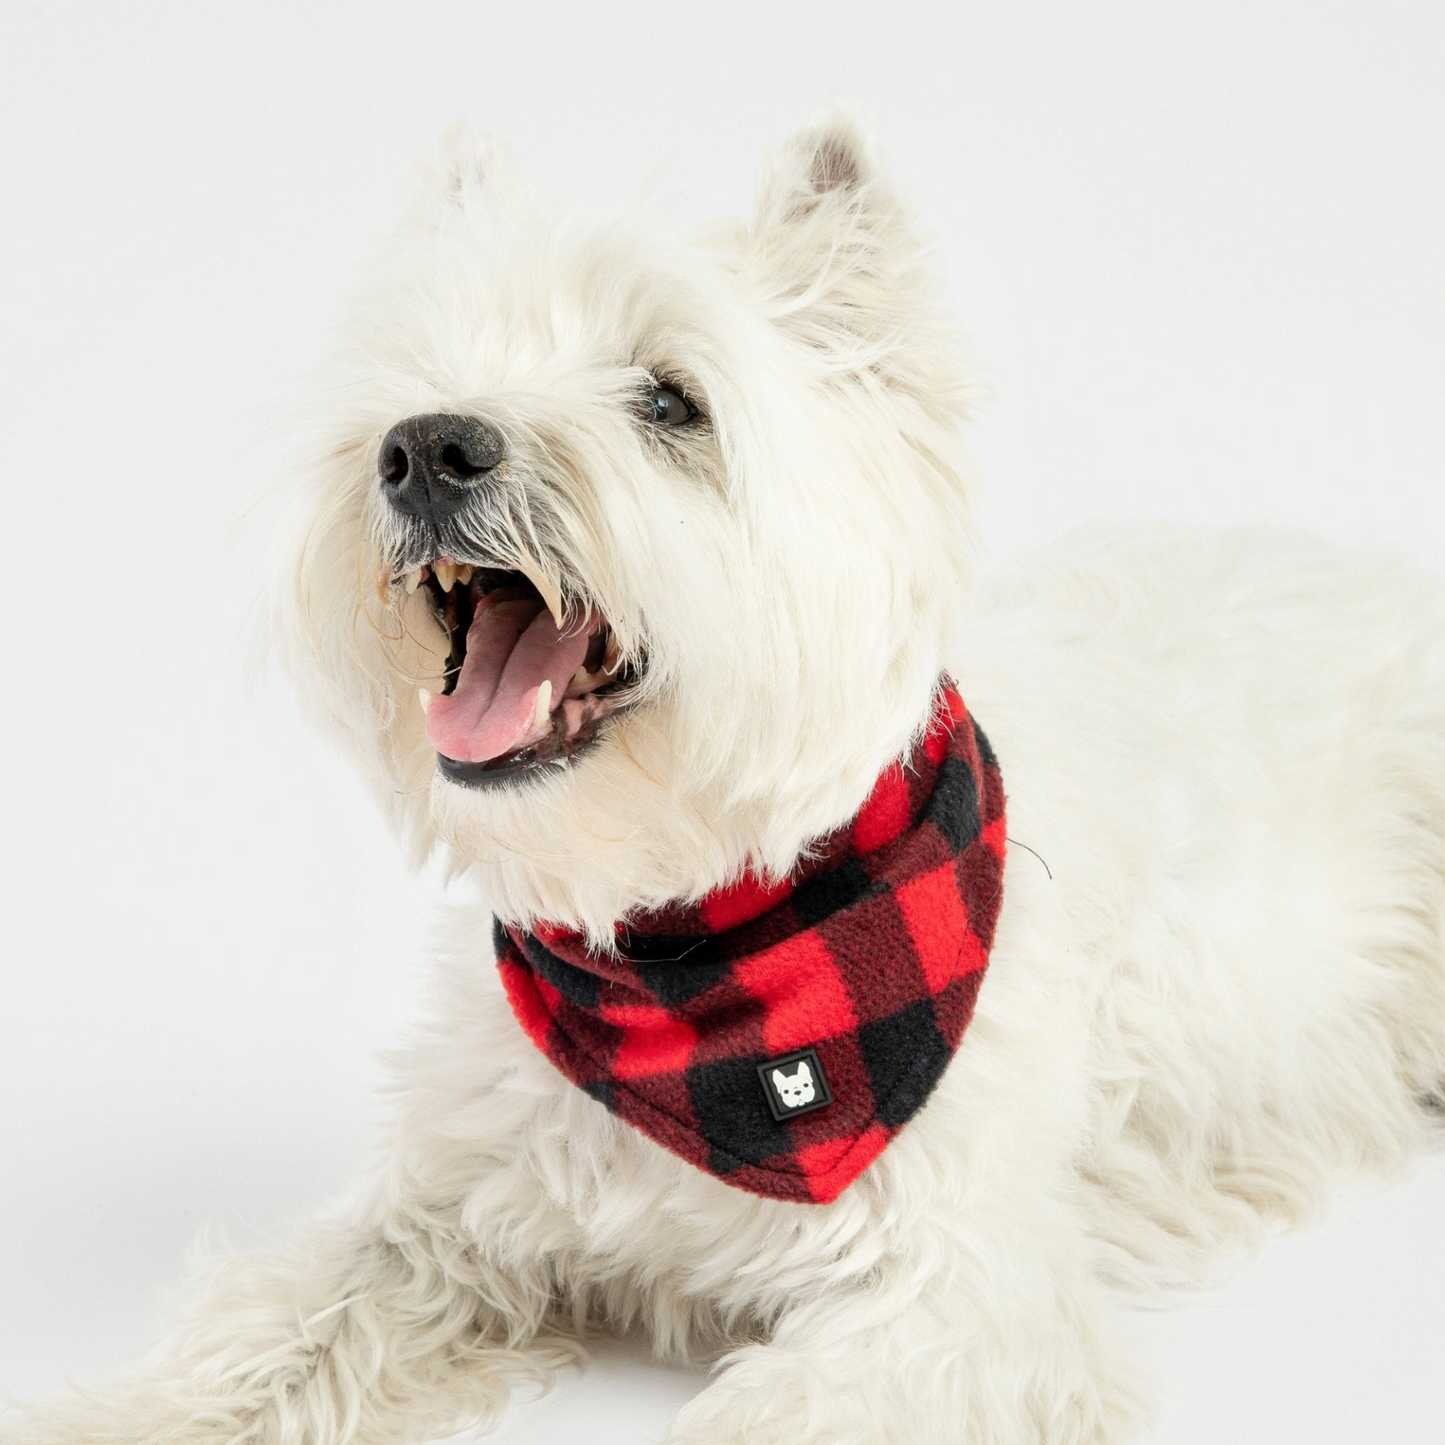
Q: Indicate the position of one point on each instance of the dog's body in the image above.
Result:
(1217, 984)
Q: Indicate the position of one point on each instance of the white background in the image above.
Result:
(1199, 247)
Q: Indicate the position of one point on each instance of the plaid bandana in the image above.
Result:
(778, 1035)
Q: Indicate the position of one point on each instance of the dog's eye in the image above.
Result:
(666, 407)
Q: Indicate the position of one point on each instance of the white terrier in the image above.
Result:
(673, 531)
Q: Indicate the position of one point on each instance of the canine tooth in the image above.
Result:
(425, 698)
(548, 589)
(553, 598)
(412, 580)
(446, 574)
(544, 703)
(464, 572)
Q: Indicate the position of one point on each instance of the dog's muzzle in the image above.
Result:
(430, 466)
(530, 674)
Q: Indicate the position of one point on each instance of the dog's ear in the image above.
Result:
(830, 164)
(833, 249)
(467, 169)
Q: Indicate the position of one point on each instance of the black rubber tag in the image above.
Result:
(795, 1084)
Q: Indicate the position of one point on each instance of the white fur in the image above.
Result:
(1218, 988)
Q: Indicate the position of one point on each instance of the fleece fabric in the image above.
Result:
(778, 1034)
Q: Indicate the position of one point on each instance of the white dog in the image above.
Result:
(673, 531)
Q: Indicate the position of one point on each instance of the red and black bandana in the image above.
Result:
(779, 1035)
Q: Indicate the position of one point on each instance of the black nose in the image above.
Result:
(429, 465)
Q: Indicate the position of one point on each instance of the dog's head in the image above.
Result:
(671, 527)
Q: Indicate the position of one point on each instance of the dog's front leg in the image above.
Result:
(999, 1346)
(378, 1328)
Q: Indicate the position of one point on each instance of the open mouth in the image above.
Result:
(527, 683)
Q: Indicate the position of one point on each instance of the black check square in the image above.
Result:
(794, 1084)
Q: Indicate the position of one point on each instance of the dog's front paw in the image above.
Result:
(92, 1421)
(771, 1396)
(723, 1416)
(856, 1393)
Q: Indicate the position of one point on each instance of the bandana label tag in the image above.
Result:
(794, 1084)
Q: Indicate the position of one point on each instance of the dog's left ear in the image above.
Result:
(831, 244)
(829, 164)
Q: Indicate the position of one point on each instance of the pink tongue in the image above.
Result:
(513, 647)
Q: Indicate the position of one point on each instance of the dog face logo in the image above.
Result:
(794, 1084)
(795, 1088)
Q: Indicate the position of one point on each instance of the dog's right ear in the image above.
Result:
(830, 243)
(469, 168)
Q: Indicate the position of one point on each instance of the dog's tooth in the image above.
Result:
(553, 598)
(446, 573)
(548, 589)
(543, 709)
(612, 657)
(413, 580)
(425, 699)
(581, 678)
(464, 572)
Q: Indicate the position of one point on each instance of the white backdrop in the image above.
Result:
(1198, 246)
